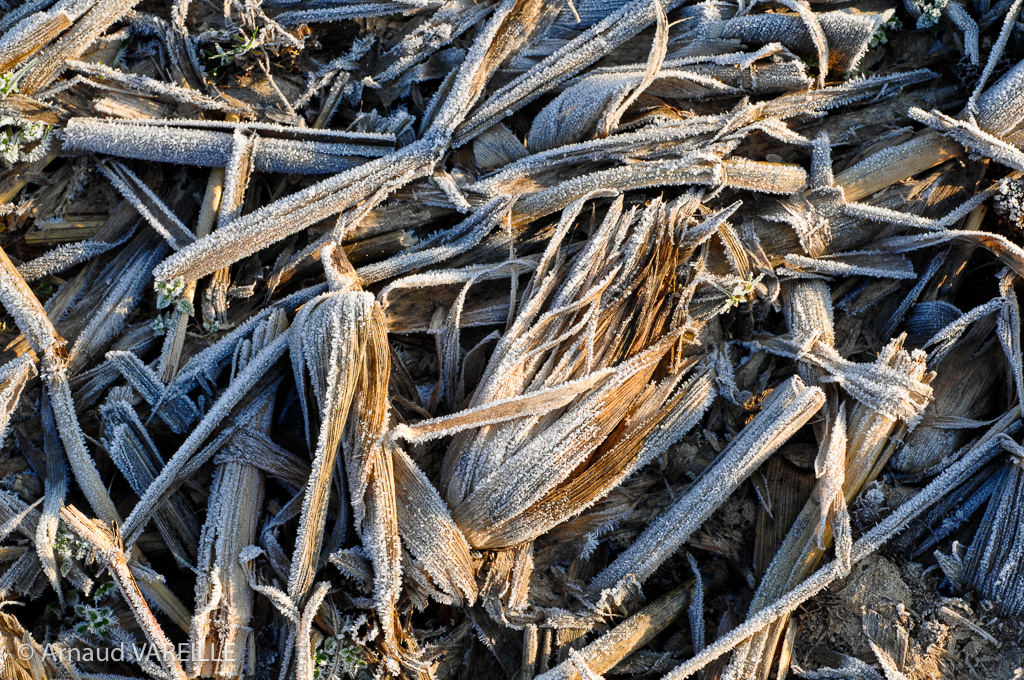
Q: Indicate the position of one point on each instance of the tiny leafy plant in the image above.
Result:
(169, 292)
(337, 657)
(69, 548)
(881, 37)
(102, 590)
(9, 81)
(740, 291)
(931, 12)
(161, 324)
(93, 620)
(45, 290)
(92, 615)
(238, 45)
(22, 140)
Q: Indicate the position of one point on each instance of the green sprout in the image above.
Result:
(22, 140)
(211, 325)
(101, 591)
(97, 617)
(122, 51)
(335, 656)
(9, 81)
(93, 620)
(161, 324)
(242, 44)
(169, 292)
(69, 548)
(740, 291)
(880, 37)
(931, 12)
(45, 289)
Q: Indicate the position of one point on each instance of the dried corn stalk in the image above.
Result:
(554, 280)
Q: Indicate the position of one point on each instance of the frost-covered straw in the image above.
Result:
(604, 653)
(788, 408)
(49, 346)
(107, 545)
(977, 455)
(185, 457)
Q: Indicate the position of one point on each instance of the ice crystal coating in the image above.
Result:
(589, 308)
(1009, 201)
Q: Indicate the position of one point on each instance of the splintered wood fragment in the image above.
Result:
(342, 346)
(895, 164)
(1000, 109)
(966, 369)
(494, 502)
(336, 350)
(427, 529)
(895, 386)
(659, 422)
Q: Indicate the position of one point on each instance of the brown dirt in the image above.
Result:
(901, 609)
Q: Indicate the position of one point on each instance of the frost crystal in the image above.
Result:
(1009, 201)
(531, 364)
(929, 12)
